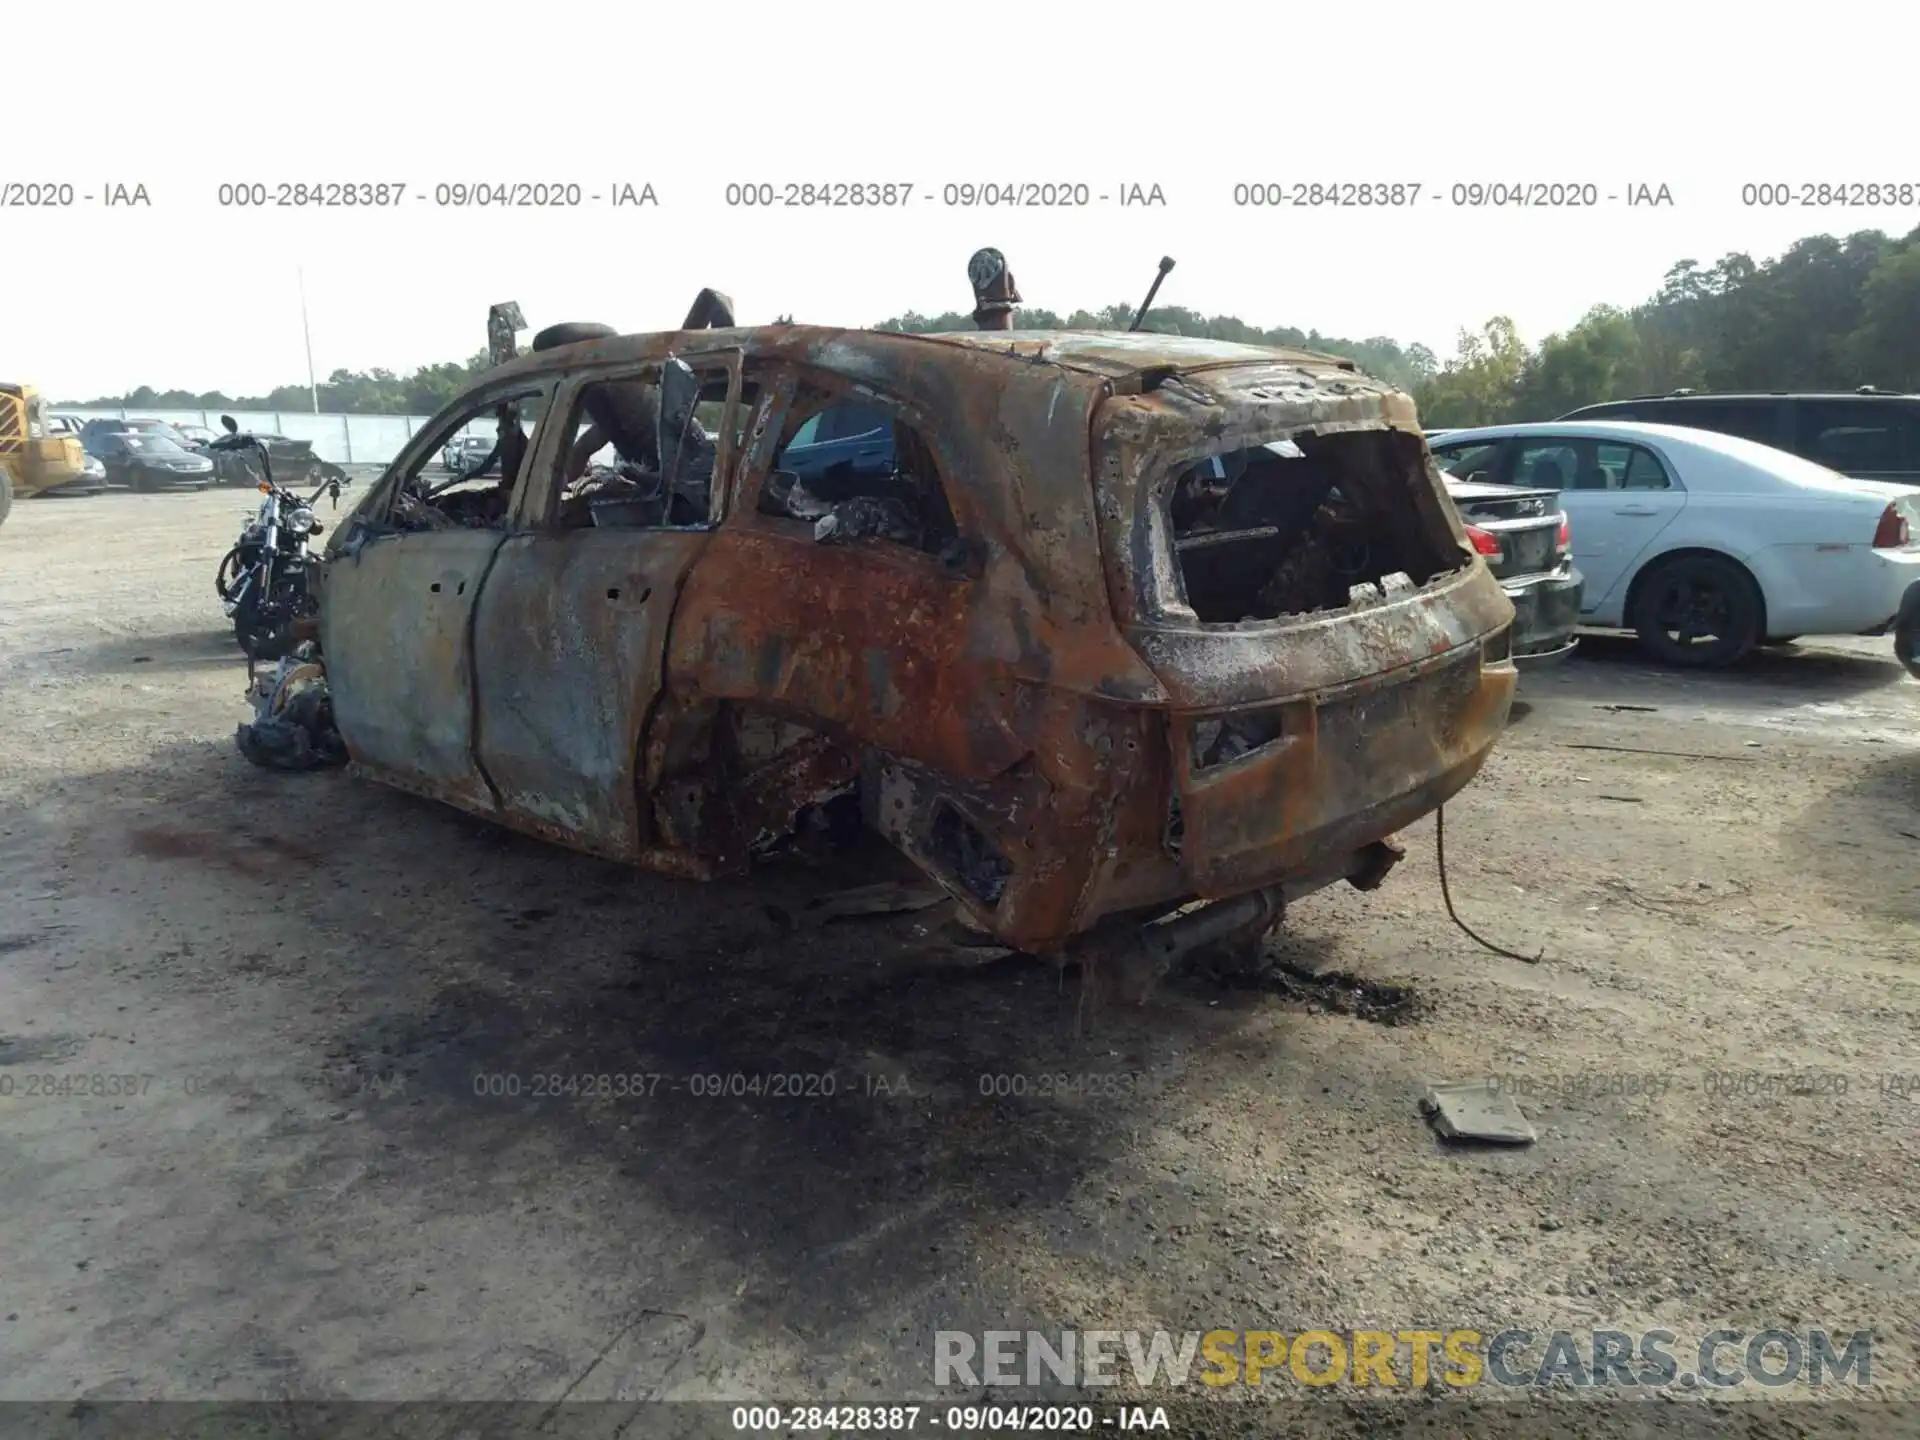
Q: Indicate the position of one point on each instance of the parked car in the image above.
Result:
(198, 436)
(1525, 535)
(92, 432)
(463, 452)
(1706, 544)
(144, 460)
(1127, 619)
(92, 480)
(1868, 434)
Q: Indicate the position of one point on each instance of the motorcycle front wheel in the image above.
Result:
(233, 568)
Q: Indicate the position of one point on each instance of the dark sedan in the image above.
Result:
(142, 460)
(94, 432)
(1529, 547)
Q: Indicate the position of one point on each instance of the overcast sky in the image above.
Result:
(1701, 98)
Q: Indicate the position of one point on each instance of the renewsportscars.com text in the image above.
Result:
(1461, 1358)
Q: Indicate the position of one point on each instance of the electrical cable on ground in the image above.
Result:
(1440, 853)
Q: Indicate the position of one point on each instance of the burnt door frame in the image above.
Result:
(570, 638)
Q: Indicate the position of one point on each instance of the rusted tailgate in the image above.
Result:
(1347, 768)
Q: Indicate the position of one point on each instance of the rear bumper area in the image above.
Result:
(1344, 771)
(1546, 610)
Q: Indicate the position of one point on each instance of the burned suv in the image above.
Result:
(1125, 621)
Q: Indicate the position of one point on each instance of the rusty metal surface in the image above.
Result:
(394, 623)
(1019, 715)
(584, 614)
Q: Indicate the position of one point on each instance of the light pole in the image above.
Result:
(313, 391)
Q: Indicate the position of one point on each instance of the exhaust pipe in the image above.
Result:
(1257, 912)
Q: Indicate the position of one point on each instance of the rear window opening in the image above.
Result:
(1292, 526)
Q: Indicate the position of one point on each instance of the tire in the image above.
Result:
(571, 332)
(229, 573)
(1906, 642)
(1700, 612)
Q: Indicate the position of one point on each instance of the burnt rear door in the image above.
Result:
(570, 632)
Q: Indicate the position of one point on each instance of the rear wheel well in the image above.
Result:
(1690, 552)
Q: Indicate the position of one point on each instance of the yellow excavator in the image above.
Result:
(33, 459)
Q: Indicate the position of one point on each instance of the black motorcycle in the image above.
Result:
(262, 580)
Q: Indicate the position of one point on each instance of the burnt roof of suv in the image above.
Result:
(1107, 353)
(1127, 352)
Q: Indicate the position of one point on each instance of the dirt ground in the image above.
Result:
(305, 1195)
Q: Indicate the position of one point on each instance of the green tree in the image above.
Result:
(1477, 386)
(1885, 348)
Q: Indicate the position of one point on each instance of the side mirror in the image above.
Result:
(229, 424)
(679, 395)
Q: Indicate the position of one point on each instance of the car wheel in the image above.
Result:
(1699, 611)
(1906, 638)
(138, 480)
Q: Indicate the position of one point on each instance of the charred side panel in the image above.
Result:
(1013, 442)
(869, 639)
(395, 630)
(1042, 850)
(572, 628)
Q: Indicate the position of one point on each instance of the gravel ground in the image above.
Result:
(305, 1196)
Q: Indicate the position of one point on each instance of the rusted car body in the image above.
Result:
(1176, 619)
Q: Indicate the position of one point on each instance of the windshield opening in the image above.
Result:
(1319, 522)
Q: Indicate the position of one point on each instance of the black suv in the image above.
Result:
(1869, 434)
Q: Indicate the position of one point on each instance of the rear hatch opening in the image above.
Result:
(1311, 523)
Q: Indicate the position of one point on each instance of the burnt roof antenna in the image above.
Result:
(1166, 264)
(994, 293)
